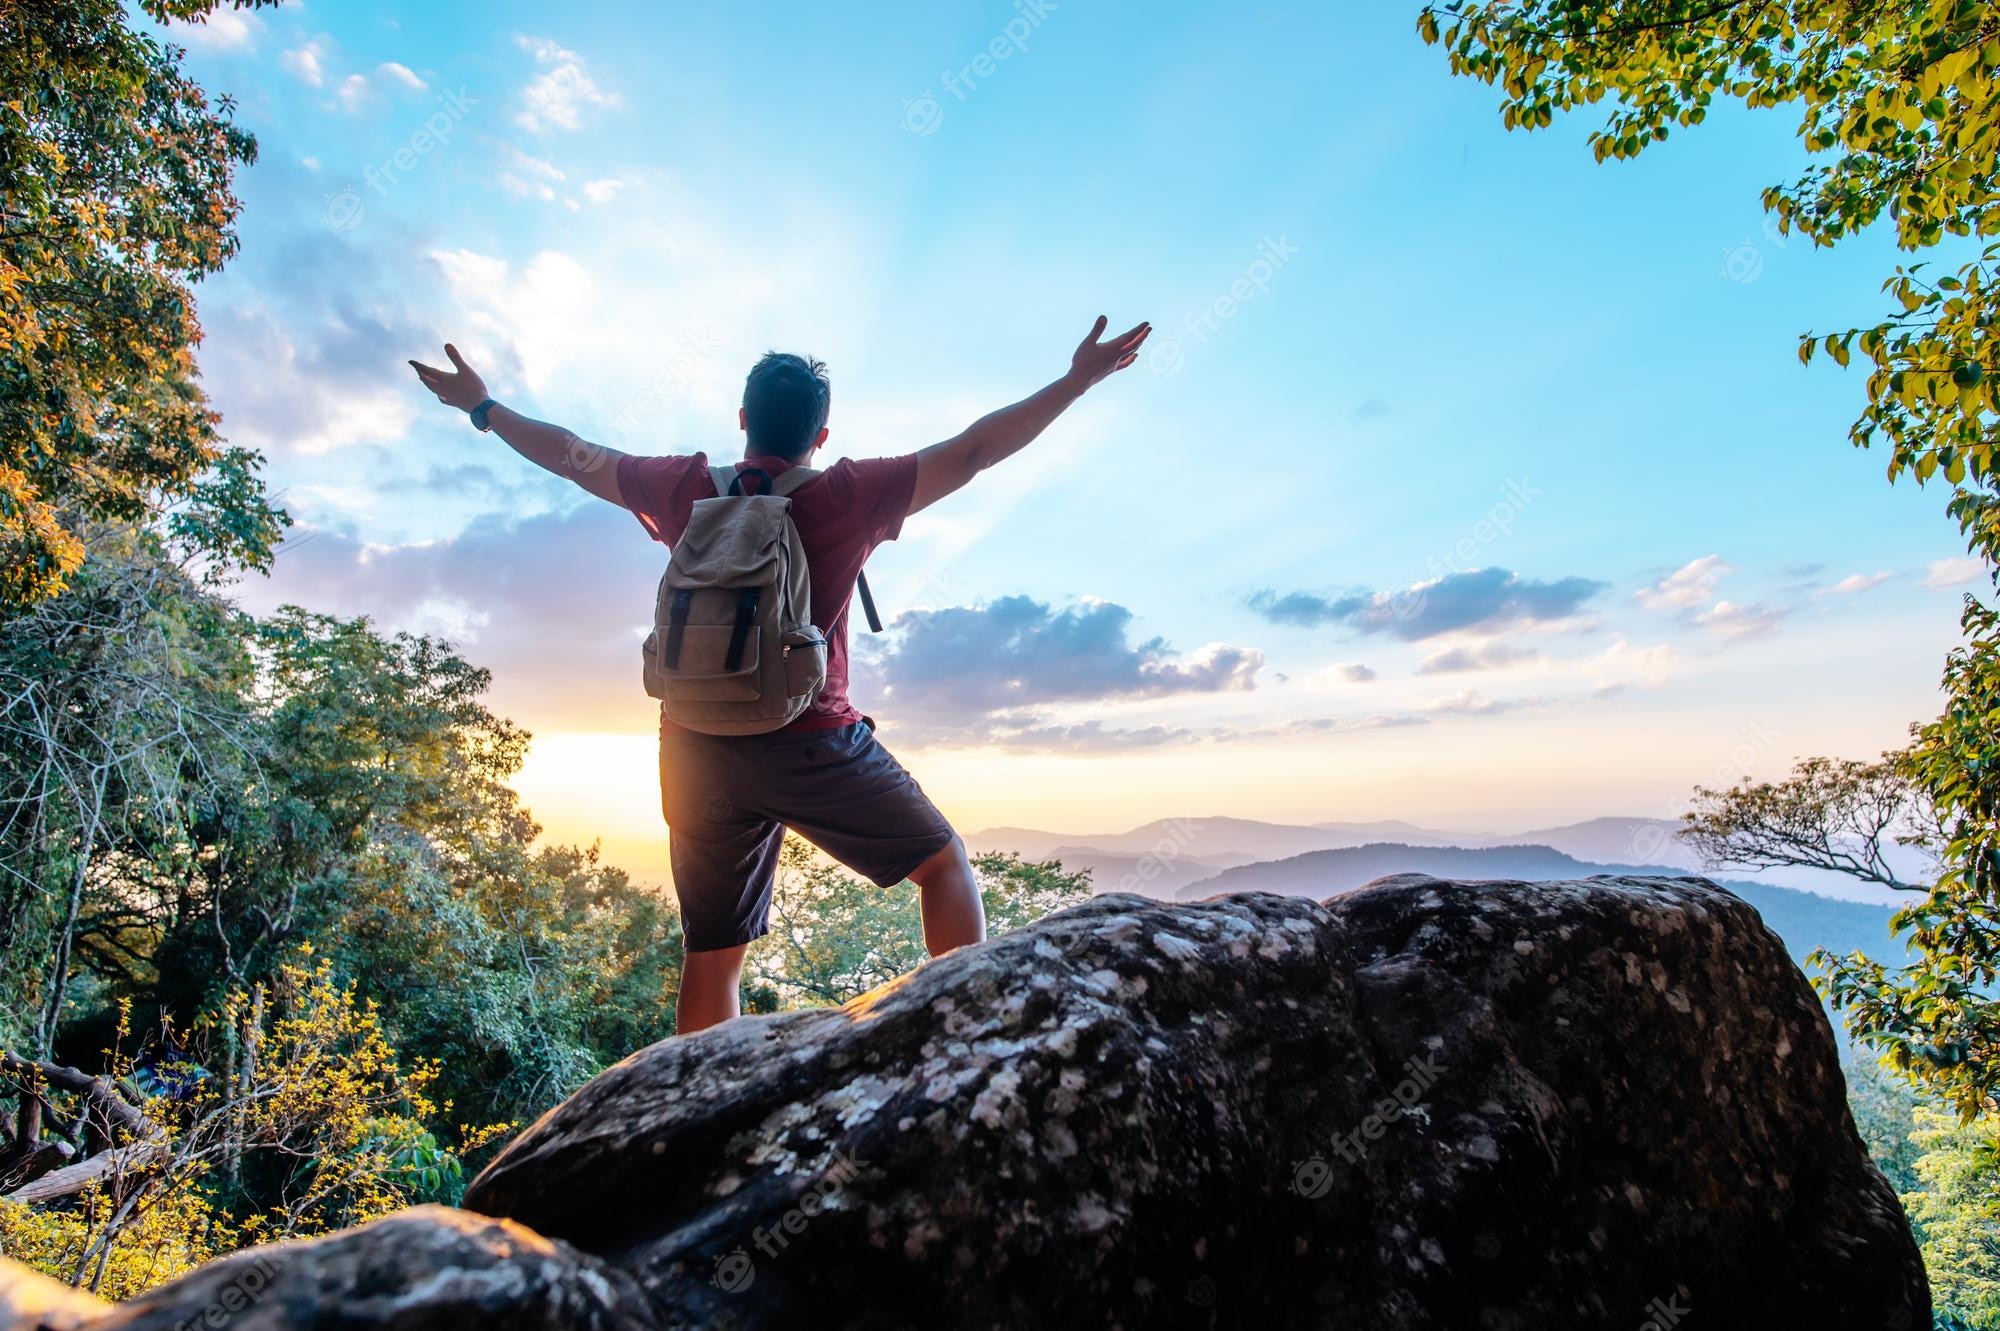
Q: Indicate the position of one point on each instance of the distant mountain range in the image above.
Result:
(1160, 858)
(1187, 859)
(1324, 873)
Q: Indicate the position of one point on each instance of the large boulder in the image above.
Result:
(1585, 1104)
(426, 1269)
(1603, 1104)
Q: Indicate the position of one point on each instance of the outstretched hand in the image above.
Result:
(461, 388)
(1095, 360)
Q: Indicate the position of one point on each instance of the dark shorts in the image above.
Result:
(729, 798)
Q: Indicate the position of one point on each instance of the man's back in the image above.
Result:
(842, 516)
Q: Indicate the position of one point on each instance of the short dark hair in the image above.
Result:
(785, 402)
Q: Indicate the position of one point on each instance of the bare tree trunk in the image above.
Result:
(56, 989)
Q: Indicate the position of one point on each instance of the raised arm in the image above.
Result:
(943, 468)
(592, 466)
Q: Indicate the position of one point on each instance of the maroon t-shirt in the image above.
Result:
(841, 516)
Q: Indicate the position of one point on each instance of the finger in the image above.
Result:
(456, 359)
(426, 371)
(1125, 360)
(1135, 339)
(1096, 331)
(1125, 338)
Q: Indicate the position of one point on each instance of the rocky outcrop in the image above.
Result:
(1588, 1104)
(427, 1269)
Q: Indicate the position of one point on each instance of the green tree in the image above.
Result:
(1899, 105)
(1954, 1213)
(115, 196)
(122, 724)
(834, 937)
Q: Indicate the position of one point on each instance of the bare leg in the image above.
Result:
(709, 982)
(953, 915)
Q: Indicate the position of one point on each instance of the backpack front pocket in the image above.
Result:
(709, 650)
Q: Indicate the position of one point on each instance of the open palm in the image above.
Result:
(1097, 360)
(461, 388)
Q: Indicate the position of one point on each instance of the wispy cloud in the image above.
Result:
(1945, 574)
(307, 63)
(221, 31)
(1486, 656)
(1732, 622)
(1687, 586)
(1854, 583)
(563, 94)
(1488, 600)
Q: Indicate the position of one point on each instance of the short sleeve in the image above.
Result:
(883, 489)
(660, 491)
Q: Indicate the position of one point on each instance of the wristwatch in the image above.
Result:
(479, 414)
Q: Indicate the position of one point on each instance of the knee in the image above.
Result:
(948, 858)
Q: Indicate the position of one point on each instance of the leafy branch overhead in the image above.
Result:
(115, 197)
(1900, 102)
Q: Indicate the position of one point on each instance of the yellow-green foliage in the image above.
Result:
(316, 1107)
(1956, 1214)
(169, 1238)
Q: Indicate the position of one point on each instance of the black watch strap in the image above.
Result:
(480, 413)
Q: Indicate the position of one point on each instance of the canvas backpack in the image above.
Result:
(733, 649)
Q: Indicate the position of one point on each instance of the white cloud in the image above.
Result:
(561, 95)
(1689, 585)
(391, 72)
(1621, 663)
(602, 191)
(307, 63)
(357, 90)
(1856, 582)
(1732, 622)
(530, 177)
(353, 92)
(1945, 574)
(223, 31)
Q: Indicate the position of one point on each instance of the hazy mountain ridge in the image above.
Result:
(1191, 858)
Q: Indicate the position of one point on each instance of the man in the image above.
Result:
(728, 800)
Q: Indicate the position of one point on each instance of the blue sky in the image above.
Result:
(1494, 495)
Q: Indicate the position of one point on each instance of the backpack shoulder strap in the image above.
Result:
(722, 476)
(792, 479)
